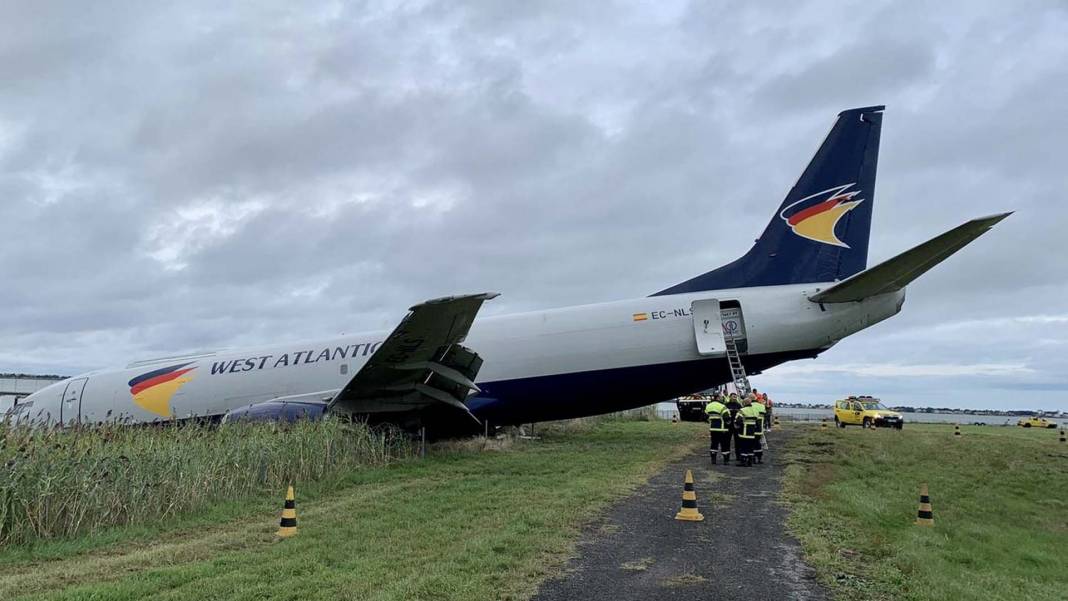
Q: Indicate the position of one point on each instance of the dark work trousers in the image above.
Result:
(737, 444)
(720, 442)
(745, 447)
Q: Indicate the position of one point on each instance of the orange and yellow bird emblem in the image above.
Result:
(815, 217)
(153, 391)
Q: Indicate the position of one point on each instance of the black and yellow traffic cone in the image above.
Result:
(1063, 439)
(288, 526)
(674, 418)
(689, 511)
(956, 430)
(924, 516)
(823, 424)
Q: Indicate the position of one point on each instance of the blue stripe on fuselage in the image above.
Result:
(580, 394)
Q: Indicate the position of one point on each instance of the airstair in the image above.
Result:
(734, 359)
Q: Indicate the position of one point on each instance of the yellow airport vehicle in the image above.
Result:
(1035, 422)
(865, 411)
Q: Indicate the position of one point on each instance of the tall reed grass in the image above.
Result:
(63, 483)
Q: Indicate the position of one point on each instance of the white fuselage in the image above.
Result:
(550, 350)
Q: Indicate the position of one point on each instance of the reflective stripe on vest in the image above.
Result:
(716, 418)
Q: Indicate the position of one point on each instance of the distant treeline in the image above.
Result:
(34, 376)
(907, 409)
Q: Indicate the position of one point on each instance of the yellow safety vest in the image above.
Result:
(717, 416)
(759, 409)
(748, 418)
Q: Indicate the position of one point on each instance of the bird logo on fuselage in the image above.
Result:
(815, 217)
(152, 391)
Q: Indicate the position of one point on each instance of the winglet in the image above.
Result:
(894, 274)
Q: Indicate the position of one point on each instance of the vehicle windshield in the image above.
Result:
(869, 405)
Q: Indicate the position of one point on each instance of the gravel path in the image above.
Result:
(742, 550)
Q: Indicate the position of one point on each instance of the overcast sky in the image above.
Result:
(177, 178)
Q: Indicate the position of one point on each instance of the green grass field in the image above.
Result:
(464, 523)
(1000, 501)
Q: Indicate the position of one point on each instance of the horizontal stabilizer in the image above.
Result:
(894, 274)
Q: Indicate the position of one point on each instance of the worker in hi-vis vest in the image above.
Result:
(719, 432)
(744, 424)
(734, 406)
(760, 404)
(757, 408)
(764, 400)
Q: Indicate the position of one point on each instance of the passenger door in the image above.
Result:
(70, 407)
(734, 324)
(707, 327)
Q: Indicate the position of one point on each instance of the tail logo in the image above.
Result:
(815, 217)
(152, 391)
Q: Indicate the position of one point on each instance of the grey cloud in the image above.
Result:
(209, 175)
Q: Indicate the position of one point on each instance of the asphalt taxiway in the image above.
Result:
(742, 550)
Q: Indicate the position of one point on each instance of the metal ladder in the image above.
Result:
(741, 381)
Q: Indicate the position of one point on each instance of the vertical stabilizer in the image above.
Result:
(820, 232)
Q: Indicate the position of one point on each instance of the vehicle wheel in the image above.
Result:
(867, 422)
(1027, 425)
(838, 423)
(899, 426)
(1052, 426)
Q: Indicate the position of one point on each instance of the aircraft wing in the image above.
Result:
(420, 363)
(894, 274)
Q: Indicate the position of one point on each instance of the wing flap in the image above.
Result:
(421, 362)
(894, 274)
(451, 374)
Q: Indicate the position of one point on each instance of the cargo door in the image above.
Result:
(707, 327)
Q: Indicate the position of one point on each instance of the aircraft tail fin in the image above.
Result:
(820, 232)
(894, 274)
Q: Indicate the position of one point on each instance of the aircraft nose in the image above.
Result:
(41, 407)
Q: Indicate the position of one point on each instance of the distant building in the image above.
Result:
(14, 387)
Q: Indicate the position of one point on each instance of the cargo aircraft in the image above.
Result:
(800, 289)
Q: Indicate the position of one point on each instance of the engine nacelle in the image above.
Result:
(277, 411)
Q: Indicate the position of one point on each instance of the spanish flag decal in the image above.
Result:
(153, 391)
(641, 316)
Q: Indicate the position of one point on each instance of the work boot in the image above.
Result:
(712, 456)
